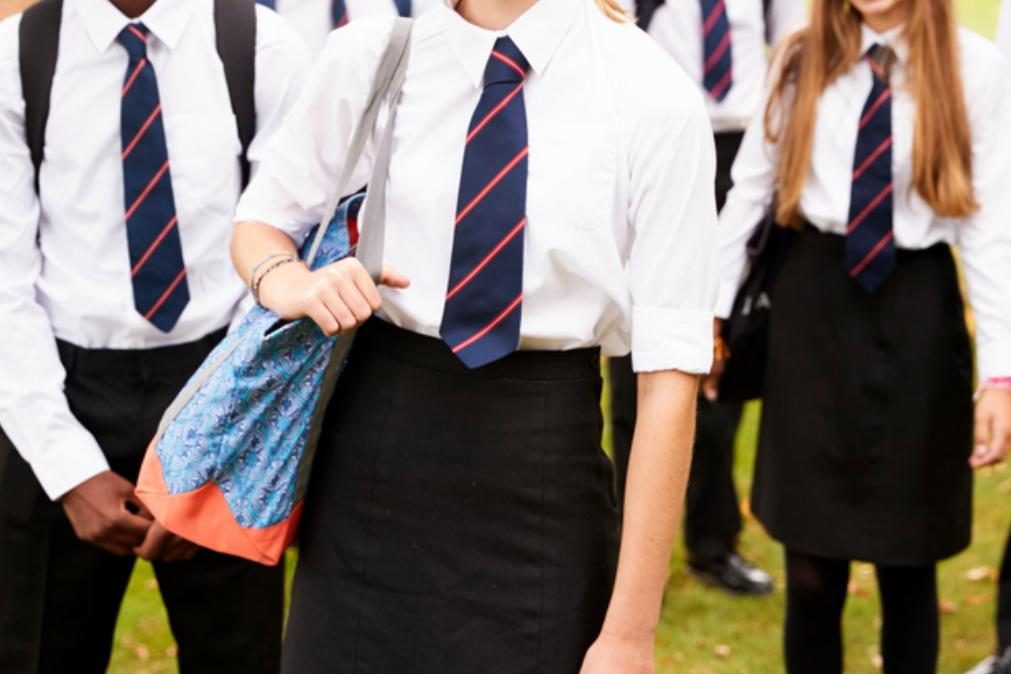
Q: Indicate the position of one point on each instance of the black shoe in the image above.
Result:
(995, 664)
(732, 574)
(1003, 663)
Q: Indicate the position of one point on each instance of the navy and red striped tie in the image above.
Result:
(338, 13)
(718, 61)
(870, 245)
(160, 289)
(481, 319)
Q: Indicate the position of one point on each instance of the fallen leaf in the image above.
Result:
(981, 573)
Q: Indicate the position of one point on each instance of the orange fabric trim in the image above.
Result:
(203, 517)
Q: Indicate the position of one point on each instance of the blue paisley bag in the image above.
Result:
(229, 465)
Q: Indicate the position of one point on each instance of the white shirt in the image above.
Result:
(74, 284)
(677, 27)
(984, 238)
(314, 21)
(1004, 29)
(620, 245)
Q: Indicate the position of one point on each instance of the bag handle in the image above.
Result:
(388, 82)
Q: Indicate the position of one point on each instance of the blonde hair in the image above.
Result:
(613, 10)
(828, 48)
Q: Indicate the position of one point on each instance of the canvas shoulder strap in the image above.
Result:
(235, 27)
(38, 47)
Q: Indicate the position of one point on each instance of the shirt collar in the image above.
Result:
(103, 21)
(894, 38)
(537, 33)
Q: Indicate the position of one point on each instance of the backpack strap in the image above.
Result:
(235, 26)
(38, 46)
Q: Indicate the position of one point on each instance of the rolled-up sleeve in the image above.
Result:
(300, 165)
(672, 265)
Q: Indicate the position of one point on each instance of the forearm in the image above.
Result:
(657, 476)
(254, 241)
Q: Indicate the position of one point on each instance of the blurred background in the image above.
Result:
(703, 631)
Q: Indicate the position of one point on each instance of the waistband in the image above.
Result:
(381, 337)
(811, 235)
(161, 360)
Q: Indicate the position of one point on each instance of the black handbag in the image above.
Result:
(746, 331)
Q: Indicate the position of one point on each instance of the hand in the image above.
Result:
(620, 654)
(711, 383)
(338, 297)
(993, 428)
(104, 511)
(162, 545)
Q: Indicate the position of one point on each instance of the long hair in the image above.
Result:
(815, 57)
(613, 10)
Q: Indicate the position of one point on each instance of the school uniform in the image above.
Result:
(867, 418)
(461, 514)
(723, 47)
(115, 283)
(314, 19)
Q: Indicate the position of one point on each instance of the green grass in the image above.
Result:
(704, 632)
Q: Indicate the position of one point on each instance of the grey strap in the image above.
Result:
(387, 84)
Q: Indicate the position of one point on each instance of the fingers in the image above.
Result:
(394, 279)
(180, 550)
(711, 388)
(990, 441)
(343, 297)
(154, 545)
(322, 317)
(338, 308)
(162, 545)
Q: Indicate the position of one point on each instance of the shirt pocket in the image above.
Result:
(573, 169)
(204, 152)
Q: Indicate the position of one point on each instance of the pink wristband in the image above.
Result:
(994, 383)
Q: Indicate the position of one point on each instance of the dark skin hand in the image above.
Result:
(162, 545)
(105, 511)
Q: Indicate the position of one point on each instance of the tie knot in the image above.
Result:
(134, 39)
(506, 64)
(882, 59)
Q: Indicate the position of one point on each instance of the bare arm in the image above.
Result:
(338, 297)
(657, 476)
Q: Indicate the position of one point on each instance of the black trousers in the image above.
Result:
(60, 597)
(712, 513)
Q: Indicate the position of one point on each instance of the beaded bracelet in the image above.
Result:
(259, 279)
(265, 260)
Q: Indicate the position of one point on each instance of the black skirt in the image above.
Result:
(458, 521)
(867, 416)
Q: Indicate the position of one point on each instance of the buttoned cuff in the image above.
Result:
(994, 359)
(672, 339)
(65, 465)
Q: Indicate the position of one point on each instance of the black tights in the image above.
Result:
(816, 591)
